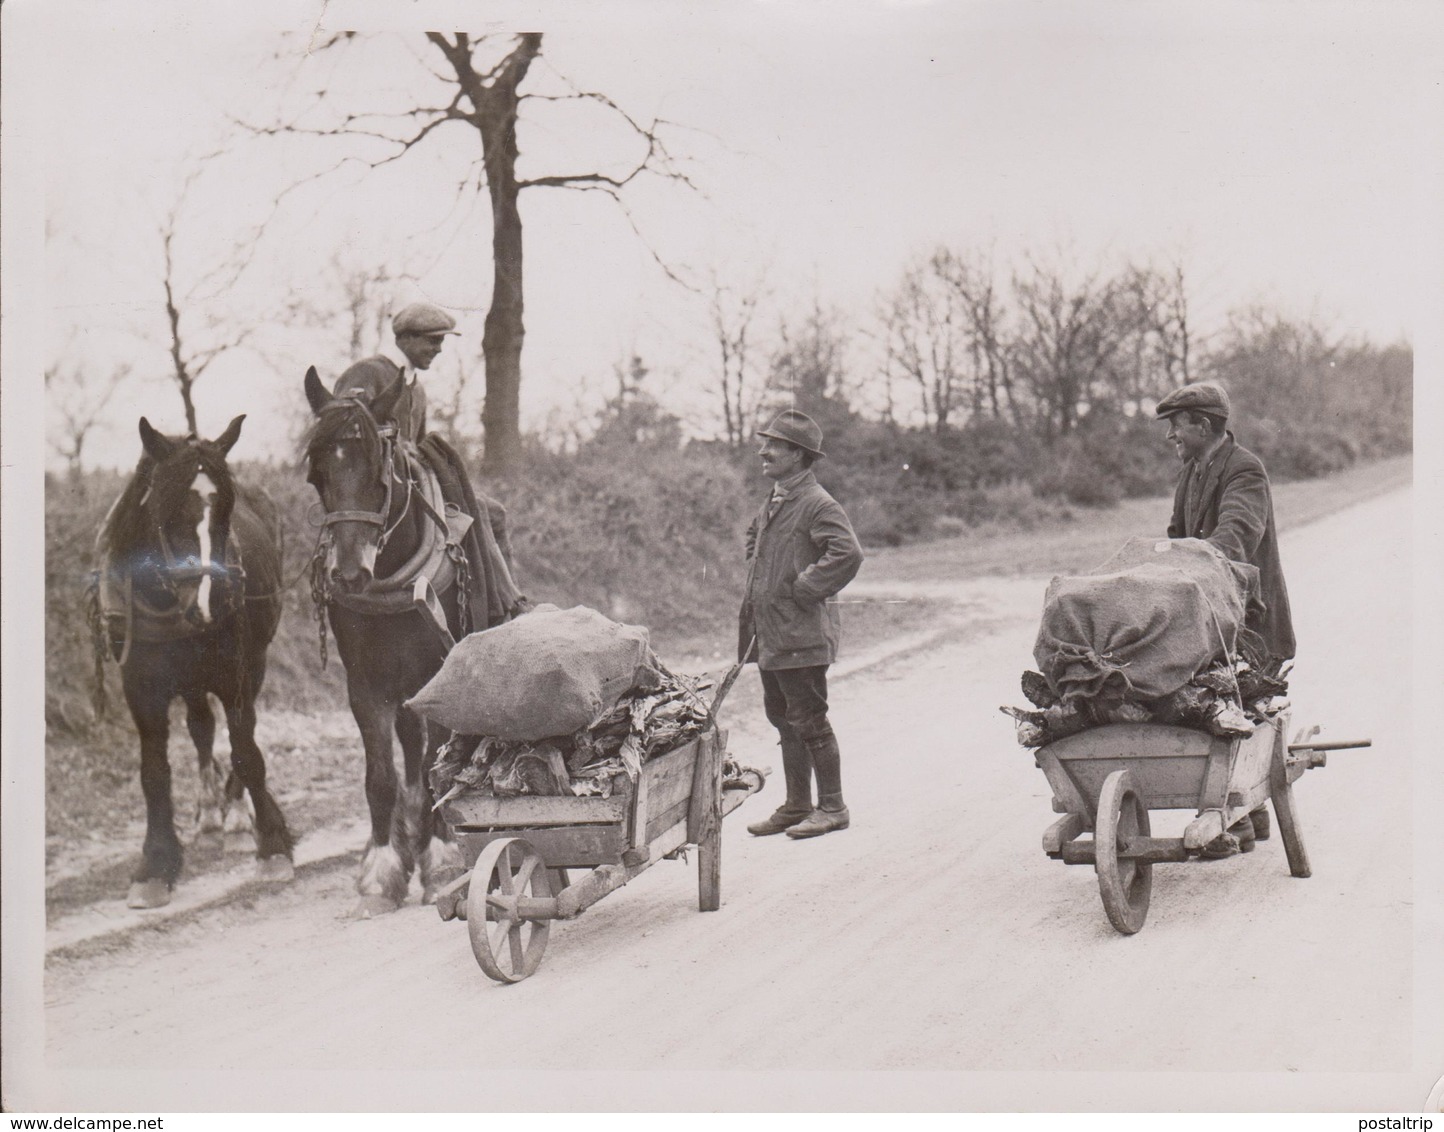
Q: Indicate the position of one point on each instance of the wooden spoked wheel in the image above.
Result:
(1125, 885)
(508, 949)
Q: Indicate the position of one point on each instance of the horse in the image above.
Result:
(386, 537)
(187, 598)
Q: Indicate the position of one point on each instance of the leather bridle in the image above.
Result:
(389, 477)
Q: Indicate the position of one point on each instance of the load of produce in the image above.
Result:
(550, 672)
(1155, 634)
(560, 703)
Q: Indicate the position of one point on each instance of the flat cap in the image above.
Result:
(796, 428)
(1200, 396)
(422, 318)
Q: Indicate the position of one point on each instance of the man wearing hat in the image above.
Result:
(1223, 497)
(802, 551)
(420, 330)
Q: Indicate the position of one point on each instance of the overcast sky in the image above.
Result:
(1283, 153)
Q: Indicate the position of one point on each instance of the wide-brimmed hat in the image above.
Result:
(422, 318)
(1200, 396)
(796, 428)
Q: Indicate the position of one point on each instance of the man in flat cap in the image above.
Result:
(801, 551)
(420, 330)
(1223, 498)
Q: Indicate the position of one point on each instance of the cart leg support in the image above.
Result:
(1283, 800)
(704, 822)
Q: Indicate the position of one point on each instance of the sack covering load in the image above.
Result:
(549, 672)
(1145, 622)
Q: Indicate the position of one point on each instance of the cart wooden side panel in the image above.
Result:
(626, 828)
(1172, 765)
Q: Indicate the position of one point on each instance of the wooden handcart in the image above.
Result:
(1107, 779)
(520, 849)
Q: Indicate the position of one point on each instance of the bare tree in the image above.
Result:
(189, 362)
(809, 365)
(75, 406)
(989, 346)
(363, 293)
(1072, 347)
(449, 401)
(481, 93)
(924, 335)
(1164, 346)
(634, 417)
(733, 314)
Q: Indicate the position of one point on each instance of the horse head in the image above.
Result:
(350, 455)
(183, 524)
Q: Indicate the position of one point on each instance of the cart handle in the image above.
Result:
(1331, 745)
(726, 686)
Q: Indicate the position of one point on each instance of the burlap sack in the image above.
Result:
(549, 672)
(1142, 624)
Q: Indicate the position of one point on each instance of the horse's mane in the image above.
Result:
(124, 525)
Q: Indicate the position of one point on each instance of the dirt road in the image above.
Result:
(932, 937)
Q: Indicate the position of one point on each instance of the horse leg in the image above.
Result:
(440, 859)
(386, 866)
(274, 843)
(210, 804)
(239, 813)
(161, 855)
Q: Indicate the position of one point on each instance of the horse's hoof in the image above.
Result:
(370, 906)
(208, 839)
(436, 883)
(238, 841)
(275, 870)
(148, 894)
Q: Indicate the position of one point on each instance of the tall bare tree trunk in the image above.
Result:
(502, 339)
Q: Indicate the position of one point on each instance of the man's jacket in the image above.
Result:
(801, 552)
(494, 595)
(1232, 508)
(374, 375)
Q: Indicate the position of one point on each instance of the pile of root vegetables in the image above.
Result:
(1229, 698)
(643, 725)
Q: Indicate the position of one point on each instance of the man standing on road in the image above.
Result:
(802, 551)
(1223, 498)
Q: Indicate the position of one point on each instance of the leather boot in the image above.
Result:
(1261, 827)
(831, 813)
(797, 770)
(780, 819)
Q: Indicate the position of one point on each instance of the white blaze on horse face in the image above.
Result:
(207, 491)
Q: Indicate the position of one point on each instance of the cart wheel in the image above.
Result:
(508, 950)
(1124, 885)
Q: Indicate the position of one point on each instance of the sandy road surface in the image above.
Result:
(932, 936)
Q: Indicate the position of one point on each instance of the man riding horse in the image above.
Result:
(421, 330)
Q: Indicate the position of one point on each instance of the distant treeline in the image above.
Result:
(1021, 413)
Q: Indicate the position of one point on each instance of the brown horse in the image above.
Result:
(385, 529)
(188, 599)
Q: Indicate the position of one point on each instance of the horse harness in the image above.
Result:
(440, 557)
(120, 615)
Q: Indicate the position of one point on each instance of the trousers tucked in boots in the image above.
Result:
(795, 701)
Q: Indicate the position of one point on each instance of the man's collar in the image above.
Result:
(1206, 460)
(784, 487)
